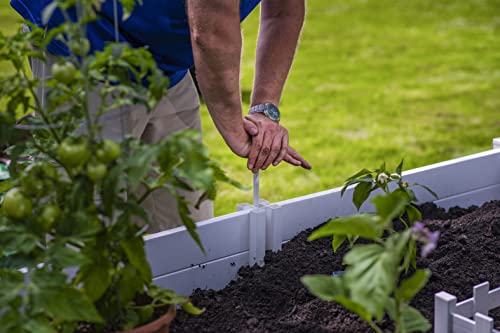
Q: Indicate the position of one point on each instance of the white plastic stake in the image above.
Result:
(256, 189)
(483, 324)
(273, 231)
(257, 237)
(444, 306)
(481, 298)
(496, 143)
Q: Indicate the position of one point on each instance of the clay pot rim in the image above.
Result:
(155, 326)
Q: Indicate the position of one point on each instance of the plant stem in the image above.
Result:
(397, 320)
(39, 108)
(149, 190)
(375, 327)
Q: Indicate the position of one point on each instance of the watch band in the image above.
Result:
(270, 110)
(258, 108)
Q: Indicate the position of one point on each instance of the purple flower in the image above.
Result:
(425, 236)
(418, 228)
(431, 244)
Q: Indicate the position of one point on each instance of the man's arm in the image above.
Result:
(216, 40)
(280, 26)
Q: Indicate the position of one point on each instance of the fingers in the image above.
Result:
(269, 145)
(265, 151)
(284, 150)
(275, 151)
(250, 127)
(254, 151)
(293, 157)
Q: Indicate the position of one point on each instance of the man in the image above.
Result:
(204, 33)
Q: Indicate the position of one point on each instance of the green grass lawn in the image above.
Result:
(374, 80)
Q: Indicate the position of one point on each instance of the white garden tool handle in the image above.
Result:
(256, 189)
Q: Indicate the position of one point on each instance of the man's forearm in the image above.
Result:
(281, 23)
(216, 41)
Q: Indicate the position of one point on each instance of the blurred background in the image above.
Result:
(373, 81)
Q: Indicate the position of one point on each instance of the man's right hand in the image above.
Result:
(269, 144)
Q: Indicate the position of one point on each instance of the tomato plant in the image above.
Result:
(76, 202)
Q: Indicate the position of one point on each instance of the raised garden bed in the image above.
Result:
(242, 238)
(272, 299)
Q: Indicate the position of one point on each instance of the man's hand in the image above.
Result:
(269, 144)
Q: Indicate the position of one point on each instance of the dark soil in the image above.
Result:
(272, 299)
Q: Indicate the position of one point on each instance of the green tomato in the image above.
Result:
(15, 204)
(96, 171)
(79, 48)
(109, 151)
(49, 215)
(64, 73)
(72, 155)
(38, 179)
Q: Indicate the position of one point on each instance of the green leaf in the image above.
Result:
(371, 275)
(362, 225)
(130, 284)
(337, 241)
(17, 238)
(110, 188)
(434, 194)
(139, 164)
(413, 321)
(399, 168)
(366, 179)
(136, 254)
(330, 288)
(191, 309)
(389, 206)
(96, 276)
(357, 308)
(48, 11)
(165, 296)
(361, 193)
(128, 7)
(11, 321)
(184, 213)
(39, 325)
(11, 283)
(411, 286)
(325, 287)
(413, 213)
(62, 256)
(358, 174)
(410, 256)
(50, 295)
(6, 185)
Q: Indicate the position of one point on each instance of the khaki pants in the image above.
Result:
(178, 110)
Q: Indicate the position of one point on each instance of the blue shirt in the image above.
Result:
(162, 25)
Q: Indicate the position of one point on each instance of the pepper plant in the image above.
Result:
(378, 279)
(71, 223)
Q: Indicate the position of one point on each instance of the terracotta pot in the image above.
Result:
(160, 325)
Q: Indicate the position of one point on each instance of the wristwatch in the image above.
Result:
(270, 110)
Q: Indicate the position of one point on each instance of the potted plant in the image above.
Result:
(71, 223)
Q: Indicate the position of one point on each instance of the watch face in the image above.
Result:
(273, 112)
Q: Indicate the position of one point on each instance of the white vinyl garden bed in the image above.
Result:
(234, 240)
